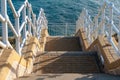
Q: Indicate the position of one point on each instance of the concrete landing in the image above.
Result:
(71, 76)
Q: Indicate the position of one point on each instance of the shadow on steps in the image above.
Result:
(66, 62)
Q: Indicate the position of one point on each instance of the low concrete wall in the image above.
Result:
(104, 49)
(12, 65)
(83, 39)
(44, 35)
(111, 59)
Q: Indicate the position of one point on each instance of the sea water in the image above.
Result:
(61, 11)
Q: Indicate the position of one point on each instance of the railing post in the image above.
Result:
(111, 21)
(78, 24)
(18, 38)
(103, 20)
(34, 23)
(4, 24)
(81, 20)
(89, 30)
(119, 34)
(29, 16)
(96, 26)
(84, 17)
(39, 24)
(86, 22)
(24, 19)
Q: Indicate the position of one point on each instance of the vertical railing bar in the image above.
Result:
(86, 22)
(18, 38)
(13, 9)
(111, 21)
(89, 27)
(34, 23)
(103, 20)
(99, 23)
(4, 24)
(29, 16)
(96, 26)
(34, 19)
(119, 35)
(24, 20)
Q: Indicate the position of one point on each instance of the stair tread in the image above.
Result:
(73, 53)
(65, 61)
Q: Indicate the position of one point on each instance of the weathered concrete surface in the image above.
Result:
(70, 76)
(65, 62)
(63, 44)
(83, 39)
(111, 62)
(13, 65)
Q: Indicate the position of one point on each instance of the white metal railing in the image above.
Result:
(28, 20)
(61, 29)
(106, 22)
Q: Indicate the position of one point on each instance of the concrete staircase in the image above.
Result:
(65, 55)
(65, 62)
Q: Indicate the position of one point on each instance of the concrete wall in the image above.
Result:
(111, 61)
(12, 65)
(83, 39)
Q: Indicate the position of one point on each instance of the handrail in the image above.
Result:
(2, 45)
(12, 28)
(95, 27)
(13, 9)
(2, 18)
(22, 26)
(27, 20)
(21, 8)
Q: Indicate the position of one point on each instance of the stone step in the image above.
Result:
(65, 62)
(63, 44)
(72, 53)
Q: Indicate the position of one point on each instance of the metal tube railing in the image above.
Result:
(13, 9)
(119, 34)
(29, 17)
(110, 22)
(18, 32)
(22, 26)
(12, 28)
(2, 18)
(95, 27)
(21, 8)
(4, 24)
(32, 23)
(24, 21)
(2, 45)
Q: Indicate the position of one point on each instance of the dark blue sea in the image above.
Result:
(62, 11)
